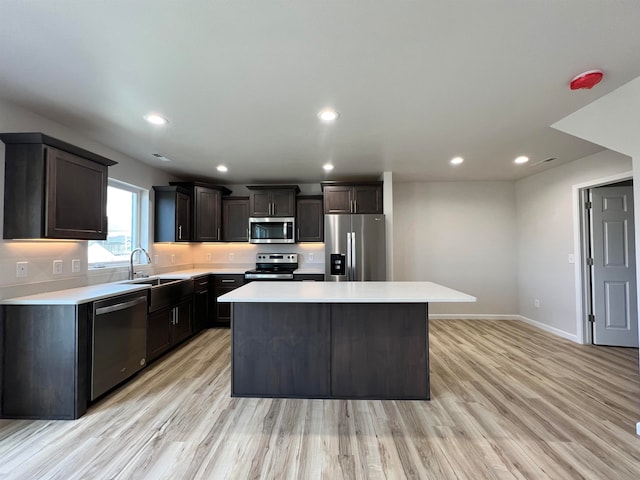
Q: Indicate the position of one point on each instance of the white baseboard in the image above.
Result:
(556, 331)
(471, 316)
(457, 316)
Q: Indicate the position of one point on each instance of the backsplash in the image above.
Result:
(166, 257)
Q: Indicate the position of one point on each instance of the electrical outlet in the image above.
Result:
(311, 257)
(208, 257)
(155, 259)
(572, 258)
(22, 269)
(231, 257)
(75, 265)
(57, 267)
(173, 258)
(536, 303)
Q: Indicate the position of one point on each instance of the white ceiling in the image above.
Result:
(416, 82)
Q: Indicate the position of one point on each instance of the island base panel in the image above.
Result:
(280, 349)
(379, 351)
(321, 350)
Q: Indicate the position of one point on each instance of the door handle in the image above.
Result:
(179, 232)
(348, 265)
(218, 233)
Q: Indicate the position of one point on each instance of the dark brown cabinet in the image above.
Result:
(272, 200)
(349, 197)
(172, 219)
(308, 277)
(168, 327)
(206, 210)
(309, 219)
(224, 284)
(235, 219)
(44, 361)
(53, 189)
(201, 308)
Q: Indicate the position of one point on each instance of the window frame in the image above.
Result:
(139, 221)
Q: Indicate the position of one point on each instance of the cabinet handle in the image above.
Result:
(203, 283)
(355, 207)
(179, 232)
(274, 209)
(298, 234)
(218, 233)
(226, 280)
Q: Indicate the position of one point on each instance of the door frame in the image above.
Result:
(583, 330)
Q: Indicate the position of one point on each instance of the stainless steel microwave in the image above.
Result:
(272, 230)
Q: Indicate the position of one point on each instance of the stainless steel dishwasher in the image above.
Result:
(119, 340)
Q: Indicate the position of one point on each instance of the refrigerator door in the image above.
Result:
(336, 228)
(368, 251)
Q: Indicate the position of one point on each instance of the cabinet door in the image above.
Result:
(310, 220)
(182, 322)
(283, 203)
(235, 219)
(259, 203)
(201, 318)
(224, 284)
(76, 197)
(207, 212)
(367, 199)
(159, 326)
(337, 199)
(183, 217)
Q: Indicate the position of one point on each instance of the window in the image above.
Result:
(125, 214)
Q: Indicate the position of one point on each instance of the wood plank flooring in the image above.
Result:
(508, 402)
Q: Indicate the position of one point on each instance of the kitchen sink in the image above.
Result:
(154, 282)
(165, 292)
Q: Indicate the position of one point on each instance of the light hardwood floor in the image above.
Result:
(508, 401)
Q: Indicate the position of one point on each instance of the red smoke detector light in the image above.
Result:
(586, 80)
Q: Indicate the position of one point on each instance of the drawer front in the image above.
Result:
(228, 280)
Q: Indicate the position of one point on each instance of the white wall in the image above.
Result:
(462, 235)
(40, 254)
(545, 238)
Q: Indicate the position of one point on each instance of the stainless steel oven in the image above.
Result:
(273, 266)
(272, 230)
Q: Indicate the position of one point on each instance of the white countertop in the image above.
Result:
(344, 292)
(76, 296)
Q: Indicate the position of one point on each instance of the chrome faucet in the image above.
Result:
(133, 252)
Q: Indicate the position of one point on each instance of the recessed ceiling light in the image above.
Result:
(328, 115)
(457, 160)
(521, 159)
(156, 119)
(222, 168)
(327, 167)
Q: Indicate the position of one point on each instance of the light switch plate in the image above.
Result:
(57, 267)
(75, 265)
(155, 259)
(311, 257)
(231, 257)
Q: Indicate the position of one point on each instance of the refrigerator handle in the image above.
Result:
(348, 266)
(354, 262)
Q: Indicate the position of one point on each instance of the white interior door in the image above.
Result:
(613, 272)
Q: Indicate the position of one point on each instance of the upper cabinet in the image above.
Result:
(309, 219)
(272, 200)
(206, 210)
(352, 197)
(235, 219)
(172, 218)
(53, 189)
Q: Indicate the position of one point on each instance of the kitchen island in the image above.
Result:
(367, 340)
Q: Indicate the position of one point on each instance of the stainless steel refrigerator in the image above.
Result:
(354, 248)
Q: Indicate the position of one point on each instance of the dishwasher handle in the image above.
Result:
(120, 306)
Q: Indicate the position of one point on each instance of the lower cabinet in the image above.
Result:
(202, 312)
(168, 327)
(308, 277)
(224, 284)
